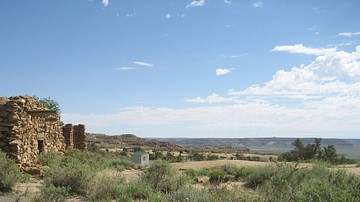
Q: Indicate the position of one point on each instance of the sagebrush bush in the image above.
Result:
(186, 194)
(52, 193)
(105, 185)
(135, 191)
(191, 173)
(122, 163)
(217, 176)
(50, 157)
(162, 176)
(288, 182)
(69, 172)
(238, 172)
(9, 173)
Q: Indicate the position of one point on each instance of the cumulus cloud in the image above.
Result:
(168, 16)
(105, 3)
(299, 48)
(331, 73)
(349, 34)
(228, 2)
(196, 3)
(258, 4)
(320, 98)
(222, 71)
(143, 64)
(213, 98)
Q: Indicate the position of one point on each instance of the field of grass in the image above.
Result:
(108, 176)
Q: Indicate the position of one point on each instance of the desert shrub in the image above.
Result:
(162, 176)
(288, 182)
(9, 173)
(52, 193)
(284, 183)
(122, 163)
(212, 157)
(49, 158)
(134, 191)
(191, 173)
(96, 160)
(105, 185)
(69, 172)
(238, 172)
(203, 172)
(260, 176)
(196, 156)
(331, 186)
(217, 176)
(191, 194)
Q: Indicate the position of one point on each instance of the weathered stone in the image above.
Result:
(15, 142)
(3, 114)
(28, 128)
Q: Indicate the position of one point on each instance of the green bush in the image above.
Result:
(217, 176)
(69, 172)
(260, 176)
(186, 194)
(52, 193)
(9, 173)
(162, 176)
(49, 158)
(134, 191)
(191, 173)
(203, 172)
(122, 163)
(288, 182)
(105, 185)
(238, 172)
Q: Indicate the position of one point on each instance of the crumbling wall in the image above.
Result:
(80, 137)
(75, 136)
(28, 128)
(68, 132)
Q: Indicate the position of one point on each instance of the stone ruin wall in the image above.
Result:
(75, 136)
(24, 124)
(28, 128)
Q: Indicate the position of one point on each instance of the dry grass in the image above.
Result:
(209, 164)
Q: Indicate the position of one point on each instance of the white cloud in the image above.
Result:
(349, 34)
(228, 2)
(222, 71)
(258, 4)
(299, 48)
(213, 98)
(105, 3)
(331, 73)
(130, 15)
(143, 64)
(196, 3)
(317, 99)
(168, 16)
(126, 68)
(183, 15)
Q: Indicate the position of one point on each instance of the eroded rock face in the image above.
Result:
(28, 128)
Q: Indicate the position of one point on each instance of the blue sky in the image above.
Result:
(189, 68)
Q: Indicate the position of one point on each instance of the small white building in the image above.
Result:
(140, 158)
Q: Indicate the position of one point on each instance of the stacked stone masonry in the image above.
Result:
(75, 136)
(28, 128)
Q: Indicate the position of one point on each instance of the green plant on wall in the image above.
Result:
(49, 103)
